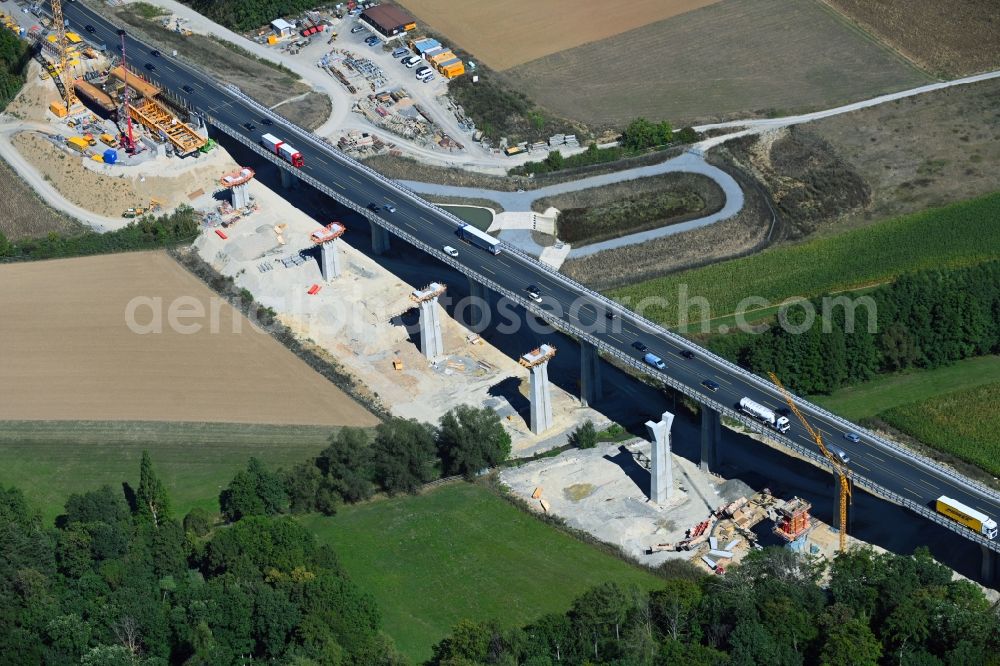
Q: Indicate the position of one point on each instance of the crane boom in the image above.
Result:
(64, 76)
(839, 468)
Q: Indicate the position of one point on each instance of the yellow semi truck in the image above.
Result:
(966, 515)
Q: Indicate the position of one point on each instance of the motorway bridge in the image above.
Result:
(880, 467)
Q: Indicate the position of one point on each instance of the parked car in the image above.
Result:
(356, 29)
(710, 385)
(533, 293)
(372, 41)
(450, 251)
(400, 52)
(852, 437)
(639, 346)
(411, 61)
(421, 71)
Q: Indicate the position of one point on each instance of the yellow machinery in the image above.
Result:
(839, 468)
(60, 25)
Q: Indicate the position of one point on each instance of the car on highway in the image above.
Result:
(411, 61)
(250, 126)
(356, 29)
(852, 437)
(400, 52)
(390, 207)
(450, 251)
(374, 207)
(610, 314)
(839, 452)
(371, 41)
(639, 346)
(187, 88)
(150, 66)
(655, 361)
(90, 29)
(686, 353)
(710, 385)
(533, 293)
(154, 53)
(266, 121)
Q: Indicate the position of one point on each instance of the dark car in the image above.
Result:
(687, 353)
(154, 53)
(188, 89)
(639, 346)
(372, 41)
(374, 207)
(89, 28)
(611, 314)
(710, 385)
(266, 121)
(250, 126)
(150, 66)
(533, 293)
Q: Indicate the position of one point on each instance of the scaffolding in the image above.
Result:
(793, 519)
(161, 122)
(330, 232)
(537, 356)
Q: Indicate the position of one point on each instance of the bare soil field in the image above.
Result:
(952, 39)
(69, 355)
(23, 214)
(735, 57)
(513, 32)
(110, 195)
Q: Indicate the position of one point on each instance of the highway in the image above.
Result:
(877, 465)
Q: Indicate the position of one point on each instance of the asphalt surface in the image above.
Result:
(889, 468)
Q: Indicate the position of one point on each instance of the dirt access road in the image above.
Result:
(67, 353)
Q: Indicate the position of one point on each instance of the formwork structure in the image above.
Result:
(142, 87)
(161, 122)
(329, 259)
(793, 519)
(96, 96)
(236, 183)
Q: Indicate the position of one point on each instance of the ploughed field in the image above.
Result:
(726, 59)
(68, 353)
(513, 32)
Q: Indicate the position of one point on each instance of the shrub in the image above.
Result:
(585, 435)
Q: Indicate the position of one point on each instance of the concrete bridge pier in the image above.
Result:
(988, 568)
(329, 260)
(661, 474)
(288, 179)
(537, 362)
(380, 239)
(591, 388)
(711, 433)
(479, 306)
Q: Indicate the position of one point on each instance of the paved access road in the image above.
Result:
(564, 300)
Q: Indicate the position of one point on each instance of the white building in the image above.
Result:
(281, 27)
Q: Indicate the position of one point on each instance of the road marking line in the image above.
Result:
(723, 380)
(487, 270)
(354, 179)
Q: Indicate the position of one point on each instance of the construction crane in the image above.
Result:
(839, 468)
(60, 25)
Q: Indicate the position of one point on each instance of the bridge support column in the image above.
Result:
(711, 433)
(288, 179)
(591, 388)
(661, 479)
(380, 239)
(537, 362)
(479, 306)
(988, 571)
(329, 260)
(431, 344)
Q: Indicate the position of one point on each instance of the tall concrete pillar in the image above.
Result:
(329, 260)
(478, 306)
(380, 239)
(591, 388)
(661, 476)
(711, 433)
(988, 570)
(288, 179)
(240, 197)
(431, 344)
(537, 362)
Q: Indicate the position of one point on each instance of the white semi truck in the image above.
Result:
(764, 414)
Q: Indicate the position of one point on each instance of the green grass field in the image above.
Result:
(962, 423)
(462, 552)
(480, 218)
(890, 391)
(961, 234)
(51, 459)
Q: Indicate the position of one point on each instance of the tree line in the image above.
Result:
(246, 15)
(14, 57)
(877, 608)
(148, 232)
(922, 320)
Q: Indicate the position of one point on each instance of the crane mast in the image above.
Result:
(64, 76)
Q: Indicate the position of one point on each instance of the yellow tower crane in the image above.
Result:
(839, 468)
(61, 44)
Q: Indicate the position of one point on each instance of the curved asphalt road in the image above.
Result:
(565, 301)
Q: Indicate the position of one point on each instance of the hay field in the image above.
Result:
(67, 353)
(953, 38)
(731, 58)
(507, 33)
